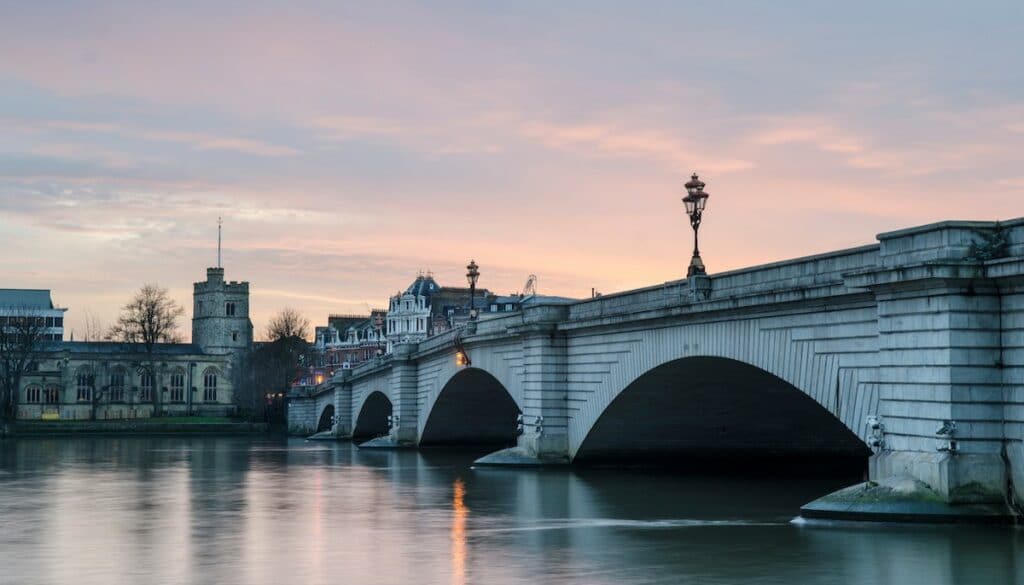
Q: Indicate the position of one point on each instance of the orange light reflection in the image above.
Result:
(459, 534)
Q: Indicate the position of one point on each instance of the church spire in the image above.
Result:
(220, 223)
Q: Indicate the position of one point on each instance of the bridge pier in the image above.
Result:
(941, 380)
(404, 429)
(545, 419)
(342, 405)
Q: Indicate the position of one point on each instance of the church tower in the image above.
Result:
(220, 312)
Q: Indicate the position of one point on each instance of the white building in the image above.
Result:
(27, 302)
(409, 312)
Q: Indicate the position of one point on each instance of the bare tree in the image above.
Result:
(21, 339)
(288, 323)
(271, 367)
(94, 329)
(149, 318)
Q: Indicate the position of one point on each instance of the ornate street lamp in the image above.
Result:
(472, 275)
(695, 200)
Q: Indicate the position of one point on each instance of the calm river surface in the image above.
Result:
(289, 512)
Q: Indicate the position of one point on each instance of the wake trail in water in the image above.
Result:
(571, 524)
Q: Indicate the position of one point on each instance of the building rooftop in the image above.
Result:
(28, 298)
(423, 286)
(96, 347)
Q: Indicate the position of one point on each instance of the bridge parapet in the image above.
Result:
(948, 240)
(816, 276)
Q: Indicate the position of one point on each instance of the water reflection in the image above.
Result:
(460, 511)
(253, 512)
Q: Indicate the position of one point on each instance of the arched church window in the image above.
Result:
(178, 386)
(33, 394)
(146, 386)
(117, 385)
(85, 380)
(210, 385)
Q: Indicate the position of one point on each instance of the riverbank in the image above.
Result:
(146, 426)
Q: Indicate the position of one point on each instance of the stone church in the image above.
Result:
(106, 380)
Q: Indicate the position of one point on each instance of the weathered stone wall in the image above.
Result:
(1010, 272)
(306, 405)
(302, 415)
(60, 370)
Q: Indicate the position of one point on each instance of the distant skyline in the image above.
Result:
(350, 145)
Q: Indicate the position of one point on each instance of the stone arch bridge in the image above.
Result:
(909, 351)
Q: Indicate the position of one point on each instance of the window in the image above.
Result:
(85, 381)
(509, 307)
(234, 336)
(33, 394)
(494, 308)
(210, 386)
(51, 395)
(58, 321)
(230, 309)
(49, 321)
(178, 386)
(146, 387)
(117, 385)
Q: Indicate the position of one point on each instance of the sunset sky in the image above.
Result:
(349, 145)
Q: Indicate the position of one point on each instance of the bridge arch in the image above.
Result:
(710, 407)
(473, 407)
(372, 416)
(326, 420)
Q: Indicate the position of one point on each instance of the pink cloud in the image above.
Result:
(195, 140)
(606, 140)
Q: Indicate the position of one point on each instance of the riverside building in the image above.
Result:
(112, 380)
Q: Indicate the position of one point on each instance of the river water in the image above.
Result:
(288, 512)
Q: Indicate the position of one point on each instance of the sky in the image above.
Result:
(350, 145)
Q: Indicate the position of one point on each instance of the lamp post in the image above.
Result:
(695, 200)
(472, 275)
